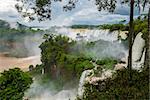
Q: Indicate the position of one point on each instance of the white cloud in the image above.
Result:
(84, 13)
(7, 5)
(8, 11)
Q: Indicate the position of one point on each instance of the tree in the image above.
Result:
(119, 88)
(130, 37)
(13, 84)
(52, 49)
(138, 4)
(148, 41)
(60, 60)
(42, 11)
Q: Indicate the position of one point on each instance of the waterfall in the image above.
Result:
(138, 47)
(89, 35)
(106, 42)
(106, 45)
(138, 52)
(87, 76)
(82, 82)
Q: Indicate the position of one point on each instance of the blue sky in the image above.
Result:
(84, 13)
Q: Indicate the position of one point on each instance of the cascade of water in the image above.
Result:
(89, 35)
(82, 82)
(106, 35)
(138, 51)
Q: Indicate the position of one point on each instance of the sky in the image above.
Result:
(84, 13)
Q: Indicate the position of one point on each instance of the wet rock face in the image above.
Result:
(138, 59)
(138, 52)
(120, 66)
(82, 82)
(88, 76)
(138, 46)
(138, 55)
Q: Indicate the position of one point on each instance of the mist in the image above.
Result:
(32, 44)
(105, 49)
(48, 91)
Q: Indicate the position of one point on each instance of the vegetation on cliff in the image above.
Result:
(140, 25)
(13, 40)
(60, 60)
(13, 84)
(119, 87)
(108, 63)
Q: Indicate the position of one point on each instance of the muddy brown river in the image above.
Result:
(7, 62)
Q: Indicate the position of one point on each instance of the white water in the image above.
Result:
(107, 44)
(89, 35)
(82, 82)
(138, 52)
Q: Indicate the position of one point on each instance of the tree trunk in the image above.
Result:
(148, 50)
(130, 36)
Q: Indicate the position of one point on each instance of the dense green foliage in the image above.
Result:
(58, 59)
(115, 27)
(14, 34)
(13, 84)
(4, 25)
(108, 63)
(120, 88)
(140, 25)
(84, 26)
(13, 40)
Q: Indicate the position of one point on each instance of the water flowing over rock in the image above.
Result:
(92, 35)
(138, 60)
(89, 35)
(82, 82)
(138, 52)
(107, 45)
(89, 77)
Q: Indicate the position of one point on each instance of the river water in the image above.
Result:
(7, 62)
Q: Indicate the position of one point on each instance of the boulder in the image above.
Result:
(120, 66)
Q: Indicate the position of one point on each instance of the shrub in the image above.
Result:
(120, 88)
(13, 84)
(107, 62)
